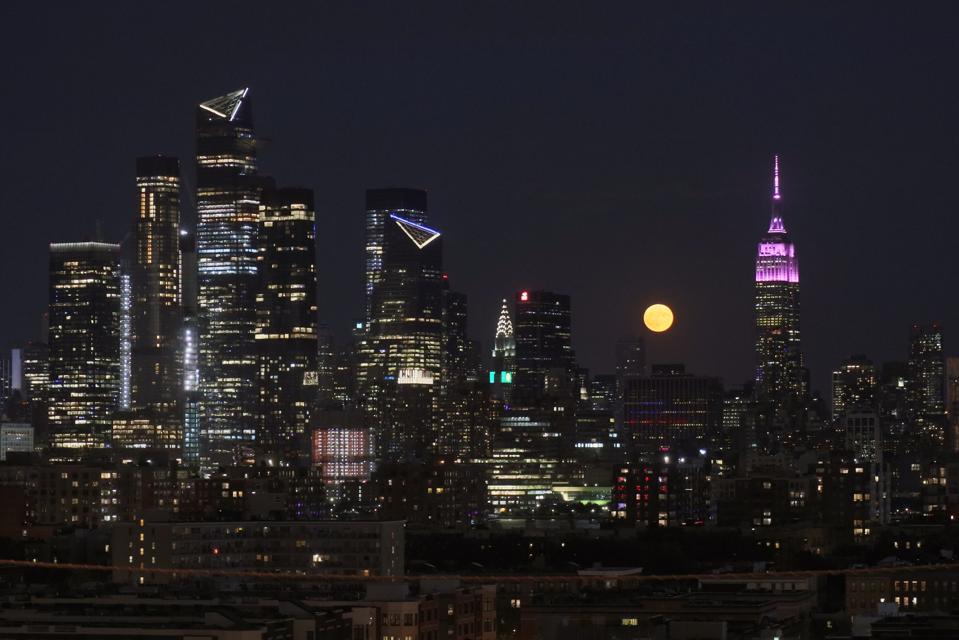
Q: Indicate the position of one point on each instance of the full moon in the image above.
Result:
(658, 318)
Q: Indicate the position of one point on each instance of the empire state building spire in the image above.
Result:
(780, 373)
(776, 195)
(776, 223)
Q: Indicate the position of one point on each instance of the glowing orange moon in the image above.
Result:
(658, 318)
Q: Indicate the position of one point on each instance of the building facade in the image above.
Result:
(545, 362)
(319, 547)
(403, 358)
(84, 356)
(671, 409)
(780, 374)
(854, 386)
(504, 357)
(925, 394)
(156, 302)
(227, 199)
(286, 324)
(409, 204)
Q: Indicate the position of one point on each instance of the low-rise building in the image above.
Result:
(310, 548)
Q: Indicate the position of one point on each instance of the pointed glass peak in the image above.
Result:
(504, 326)
(419, 234)
(226, 106)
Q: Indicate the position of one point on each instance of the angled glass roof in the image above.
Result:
(226, 106)
(420, 235)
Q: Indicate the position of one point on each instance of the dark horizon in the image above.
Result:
(622, 157)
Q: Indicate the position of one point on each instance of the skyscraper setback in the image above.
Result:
(84, 357)
(286, 323)
(156, 290)
(780, 372)
(227, 199)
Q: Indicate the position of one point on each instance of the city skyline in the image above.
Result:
(629, 254)
(366, 320)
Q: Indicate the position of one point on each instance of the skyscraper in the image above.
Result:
(126, 334)
(927, 382)
(189, 350)
(545, 362)
(672, 409)
(780, 373)
(952, 403)
(34, 362)
(157, 309)
(402, 362)
(464, 398)
(6, 378)
(84, 357)
(408, 204)
(326, 367)
(630, 357)
(286, 323)
(227, 199)
(854, 387)
(504, 356)
(407, 319)
(456, 343)
(630, 362)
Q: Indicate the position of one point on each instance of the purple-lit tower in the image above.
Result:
(780, 374)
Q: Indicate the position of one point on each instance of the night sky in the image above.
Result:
(603, 150)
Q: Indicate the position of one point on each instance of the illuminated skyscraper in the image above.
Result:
(545, 362)
(286, 323)
(189, 350)
(7, 384)
(927, 381)
(35, 369)
(504, 356)
(228, 200)
(156, 289)
(84, 360)
(409, 204)
(326, 367)
(402, 362)
(854, 387)
(464, 401)
(126, 336)
(780, 374)
(406, 322)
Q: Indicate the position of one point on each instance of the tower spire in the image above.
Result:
(776, 195)
(504, 326)
(776, 223)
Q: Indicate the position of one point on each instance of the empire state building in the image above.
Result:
(780, 373)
